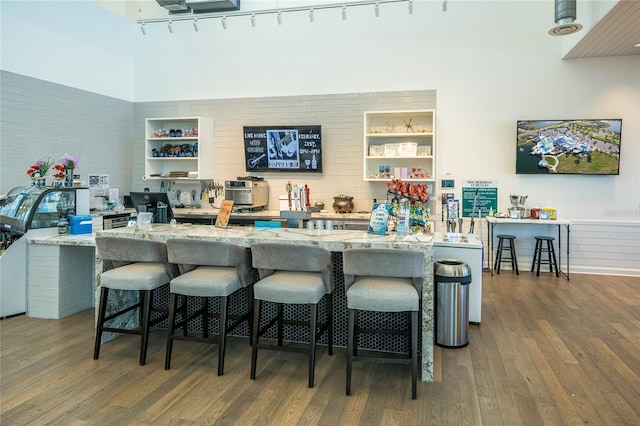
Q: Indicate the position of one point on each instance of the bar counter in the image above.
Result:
(335, 241)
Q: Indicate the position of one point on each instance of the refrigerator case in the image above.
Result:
(23, 212)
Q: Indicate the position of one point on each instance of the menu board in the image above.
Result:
(225, 212)
(283, 148)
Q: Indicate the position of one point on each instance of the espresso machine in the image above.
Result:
(517, 205)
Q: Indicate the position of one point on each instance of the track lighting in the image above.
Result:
(252, 15)
(444, 6)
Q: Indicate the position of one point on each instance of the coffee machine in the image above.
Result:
(517, 205)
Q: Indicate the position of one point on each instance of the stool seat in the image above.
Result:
(383, 280)
(510, 248)
(209, 269)
(138, 265)
(292, 274)
(539, 250)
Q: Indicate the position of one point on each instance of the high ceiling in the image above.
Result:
(614, 35)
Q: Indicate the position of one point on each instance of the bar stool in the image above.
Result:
(209, 269)
(292, 274)
(551, 255)
(139, 265)
(510, 249)
(383, 280)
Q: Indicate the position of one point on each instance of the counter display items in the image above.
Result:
(283, 148)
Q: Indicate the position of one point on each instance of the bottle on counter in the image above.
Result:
(63, 225)
(403, 218)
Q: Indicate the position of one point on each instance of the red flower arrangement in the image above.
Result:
(58, 172)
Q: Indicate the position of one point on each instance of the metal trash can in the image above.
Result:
(452, 279)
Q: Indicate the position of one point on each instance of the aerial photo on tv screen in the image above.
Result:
(569, 147)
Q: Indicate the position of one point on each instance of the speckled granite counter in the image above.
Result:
(336, 241)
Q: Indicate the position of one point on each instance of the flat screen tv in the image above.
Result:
(148, 202)
(587, 147)
(283, 148)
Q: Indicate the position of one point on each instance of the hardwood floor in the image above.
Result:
(548, 352)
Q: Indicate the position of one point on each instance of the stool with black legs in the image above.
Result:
(510, 249)
(539, 250)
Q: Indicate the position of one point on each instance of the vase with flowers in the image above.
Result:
(59, 175)
(38, 171)
(69, 162)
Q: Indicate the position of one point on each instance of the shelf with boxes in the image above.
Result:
(399, 145)
(178, 148)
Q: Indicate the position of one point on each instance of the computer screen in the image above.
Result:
(148, 202)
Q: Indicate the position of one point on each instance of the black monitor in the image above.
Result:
(148, 202)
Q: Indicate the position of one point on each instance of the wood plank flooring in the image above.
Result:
(548, 352)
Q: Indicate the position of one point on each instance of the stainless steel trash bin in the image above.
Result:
(452, 279)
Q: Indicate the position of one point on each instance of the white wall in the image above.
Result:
(73, 43)
(491, 63)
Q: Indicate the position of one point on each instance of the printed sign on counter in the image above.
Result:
(379, 218)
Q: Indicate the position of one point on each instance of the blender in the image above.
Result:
(517, 204)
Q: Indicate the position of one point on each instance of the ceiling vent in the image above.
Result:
(199, 6)
(174, 6)
(564, 18)
(213, 5)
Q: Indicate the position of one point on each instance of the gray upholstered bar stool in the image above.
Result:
(208, 269)
(509, 248)
(292, 274)
(139, 265)
(539, 250)
(383, 280)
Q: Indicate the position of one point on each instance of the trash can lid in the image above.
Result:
(452, 270)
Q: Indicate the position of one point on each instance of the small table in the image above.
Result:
(493, 221)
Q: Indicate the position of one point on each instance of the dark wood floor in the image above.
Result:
(548, 352)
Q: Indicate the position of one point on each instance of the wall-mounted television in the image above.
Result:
(588, 147)
(283, 148)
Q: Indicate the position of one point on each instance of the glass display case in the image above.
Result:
(25, 210)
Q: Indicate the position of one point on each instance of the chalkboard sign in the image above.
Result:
(283, 148)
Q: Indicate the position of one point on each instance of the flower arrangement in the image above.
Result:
(69, 161)
(40, 168)
(59, 172)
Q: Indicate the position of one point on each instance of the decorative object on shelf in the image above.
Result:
(69, 162)
(389, 127)
(408, 126)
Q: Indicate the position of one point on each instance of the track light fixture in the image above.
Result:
(444, 5)
(195, 20)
